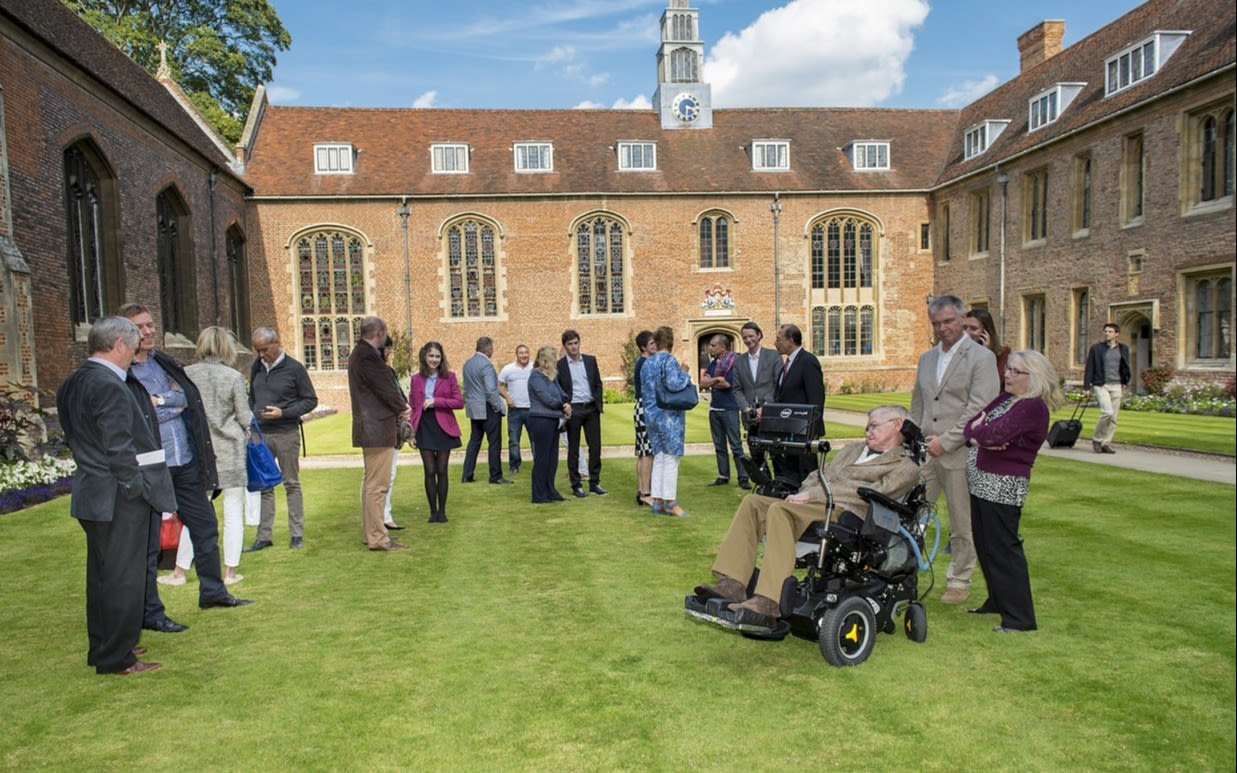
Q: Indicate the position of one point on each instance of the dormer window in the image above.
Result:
(534, 157)
(1046, 106)
(1140, 61)
(637, 156)
(771, 155)
(449, 158)
(333, 158)
(980, 138)
(870, 155)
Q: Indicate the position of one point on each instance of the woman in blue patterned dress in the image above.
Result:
(666, 428)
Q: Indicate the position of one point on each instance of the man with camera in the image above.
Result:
(880, 463)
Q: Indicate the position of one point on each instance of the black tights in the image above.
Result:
(435, 463)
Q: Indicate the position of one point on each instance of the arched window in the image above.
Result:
(96, 276)
(715, 241)
(472, 269)
(841, 253)
(683, 67)
(174, 262)
(818, 331)
(238, 280)
(601, 266)
(681, 24)
(331, 270)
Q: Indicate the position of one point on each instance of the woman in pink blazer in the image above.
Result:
(433, 397)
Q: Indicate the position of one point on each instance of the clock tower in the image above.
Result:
(682, 98)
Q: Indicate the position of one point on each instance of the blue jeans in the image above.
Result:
(516, 421)
(724, 426)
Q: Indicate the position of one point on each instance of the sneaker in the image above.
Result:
(233, 579)
(954, 595)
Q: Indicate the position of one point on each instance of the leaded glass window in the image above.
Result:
(331, 273)
(472, 269)
(600, 266)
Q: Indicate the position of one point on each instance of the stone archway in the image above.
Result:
(1136, 328)
(699, 331)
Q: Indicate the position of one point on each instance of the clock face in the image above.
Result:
(686, 107)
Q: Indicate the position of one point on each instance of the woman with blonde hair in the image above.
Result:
(227, 412)
(547, 407)
(1005, 437)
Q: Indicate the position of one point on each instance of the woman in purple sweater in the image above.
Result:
(1004, 438)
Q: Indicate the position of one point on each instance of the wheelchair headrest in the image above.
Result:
(912, 439)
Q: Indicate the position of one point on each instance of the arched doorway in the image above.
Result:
(1138, 328)
(702, 346)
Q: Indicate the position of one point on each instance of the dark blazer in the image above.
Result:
(447, 399)
(106, 429)
(377, 400)
(195, 415)
(1094, 374)
(594, 379)
(803, 383)
(747, 392)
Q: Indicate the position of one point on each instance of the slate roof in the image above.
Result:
(62, 31)
(392, 149)
(1208, 49)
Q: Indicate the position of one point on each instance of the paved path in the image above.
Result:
(1208, 467)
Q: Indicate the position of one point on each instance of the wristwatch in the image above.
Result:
(159, 400)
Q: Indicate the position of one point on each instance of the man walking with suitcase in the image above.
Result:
(1107, 374)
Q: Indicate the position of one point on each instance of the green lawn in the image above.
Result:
(1208, 434)
(332, 435)
(548, 638)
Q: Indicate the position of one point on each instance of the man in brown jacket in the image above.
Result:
(378, 406)
(881, 464)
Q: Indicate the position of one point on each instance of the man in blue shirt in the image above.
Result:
(723, 410)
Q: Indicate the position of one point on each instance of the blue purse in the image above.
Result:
(260, 462)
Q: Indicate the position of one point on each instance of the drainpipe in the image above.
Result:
(214, 257)
(404, 211)
(776, 209)
(1003, 179)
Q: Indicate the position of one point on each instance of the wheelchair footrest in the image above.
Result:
(715, 611)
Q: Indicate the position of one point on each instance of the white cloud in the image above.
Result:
(817, 53)
(282, 94)
(589, 104)
(967, 92)
(556, 55)
(426, 100)
(640, 102)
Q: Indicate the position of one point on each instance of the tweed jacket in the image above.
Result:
(893, 473)
(942, 409)
(227, 412)
(377, 400)
(746, 391)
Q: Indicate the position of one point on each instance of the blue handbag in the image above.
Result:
(263, 471)
(676, 399)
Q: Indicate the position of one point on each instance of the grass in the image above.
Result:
(1207, 434)
(332, 435)
(552, 638)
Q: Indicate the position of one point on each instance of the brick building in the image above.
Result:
(112, 191)
(1095, 185)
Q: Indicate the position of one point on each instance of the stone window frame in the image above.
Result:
(1207, 164)
(1035, 217)
(981, 222)
(617, 285)
(1035, 321)
(174, 263)
(1217, 282)
(329, 332)
(1082, 195)
(714, 242)
(489, 269)
(1133, 182)
(1080, 318)
(95, 266)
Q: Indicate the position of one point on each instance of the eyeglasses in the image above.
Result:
(1016, 372)
(872, 426)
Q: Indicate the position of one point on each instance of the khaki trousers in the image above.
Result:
(1109, 399)
(780, 523)
(374, 487)
(936, 478)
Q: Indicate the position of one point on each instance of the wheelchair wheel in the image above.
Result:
(916, 622)
(848, 632)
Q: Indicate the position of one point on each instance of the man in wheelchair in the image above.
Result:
(881, 463)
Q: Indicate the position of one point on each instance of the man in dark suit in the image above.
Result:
(185, 435)
(756, 374)
(119, 488)
(801, 382)
(580, 381)
(378, 406)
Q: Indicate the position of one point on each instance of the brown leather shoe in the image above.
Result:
(727, 588)
(391, 546)
(954, 595)
(138, 651)
(1108, 449)
(1097, 446)
(139, 667)
(760, 605)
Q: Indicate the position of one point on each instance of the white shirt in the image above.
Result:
(753, 363)
(943, 359)
(515, 379)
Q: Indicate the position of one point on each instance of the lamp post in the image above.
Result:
(1003, 179)
(776, 209)
(403, 211)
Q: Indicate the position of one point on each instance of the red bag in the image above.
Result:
(169, 531)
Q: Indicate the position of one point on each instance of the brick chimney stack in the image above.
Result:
(1040, 43)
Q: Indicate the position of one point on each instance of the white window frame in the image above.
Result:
(1140, 61)
(541, 154)
(861, 149)
(459, 155)
(1047, 106)
(627, 160)
(781, 155)
(333, 158)
(980, 137)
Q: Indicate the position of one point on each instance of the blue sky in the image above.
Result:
(601, 53)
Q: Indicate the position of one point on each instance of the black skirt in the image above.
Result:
(431, 436)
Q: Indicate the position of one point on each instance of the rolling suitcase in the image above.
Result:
(1064, 433)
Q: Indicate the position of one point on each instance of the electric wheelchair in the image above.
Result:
(853, 577)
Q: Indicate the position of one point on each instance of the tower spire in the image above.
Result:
(682, 98)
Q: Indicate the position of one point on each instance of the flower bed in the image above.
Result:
(28, 483)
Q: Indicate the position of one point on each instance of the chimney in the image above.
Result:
(1040, 43)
